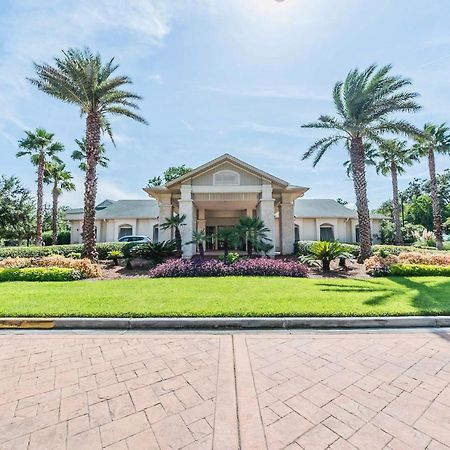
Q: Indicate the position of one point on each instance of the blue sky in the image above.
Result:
(220, 76)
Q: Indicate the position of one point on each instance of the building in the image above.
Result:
(215, 195)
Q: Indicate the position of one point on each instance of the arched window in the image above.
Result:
(326, 232)
(226, 178)
(155, 233)
(125, 230)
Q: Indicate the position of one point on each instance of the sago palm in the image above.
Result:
(40, 146)
(56, 174)
(174, 223)
(364, 104)
(81, 155)
(81, 78)
(393, 157)
(253, 230)
(435, 139)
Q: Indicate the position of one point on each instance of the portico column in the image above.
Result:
(165, 212)
(267, 214)
(187, 208)
(287, 234)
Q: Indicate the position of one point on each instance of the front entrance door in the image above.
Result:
(210, 242)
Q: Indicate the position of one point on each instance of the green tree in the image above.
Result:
(81, 155)
(253, 230)
(170, 174)
(81, 78)
(174, 223)
(420, 211)
(61, 180)
(40, 146)
(370, 155)
(435, 139)
(199, 238)
(394, 157)
(364, 103)
(229, 237)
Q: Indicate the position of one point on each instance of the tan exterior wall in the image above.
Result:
(207, 178)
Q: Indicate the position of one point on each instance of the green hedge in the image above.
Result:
(419, 270)
(103, 249)
(39, 274)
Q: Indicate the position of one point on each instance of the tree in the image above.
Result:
(199, 238)
(229, 237)
(81, 78)
(81, 155)
(170, 174)
(253, 230)
(420, 211)
(394, 156)
(17, 211)
(435, 139)
(41, 147)
(364, 103)
(61, 180)
(175, 222)
(370, 156)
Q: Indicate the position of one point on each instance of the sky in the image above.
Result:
(220, 76)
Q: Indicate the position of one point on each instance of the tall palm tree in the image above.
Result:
(435, 139)
(55, 173)
(81, 78)
(370, 155)
(364, 104)
(40, 146)
(253, 230)
(394, 156)
(175, 222)
(81, 155)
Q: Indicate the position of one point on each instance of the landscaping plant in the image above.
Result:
(253, 230)
(115, 255)
(325, 252)
(199, 238)
(175, 222)
(157, 252)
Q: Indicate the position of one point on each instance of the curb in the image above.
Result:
(225, 323)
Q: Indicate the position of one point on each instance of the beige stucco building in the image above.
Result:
(216, 195)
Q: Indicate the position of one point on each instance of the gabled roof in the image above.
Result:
(130, 209)
(310, 208)
(227, 158)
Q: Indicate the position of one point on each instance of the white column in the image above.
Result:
(287, 224)
(266, 213)
(165, 211)
(187, 208)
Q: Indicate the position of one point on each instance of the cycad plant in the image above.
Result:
(364, 104)
(41, 147)
(394, 156)
(325, 252)
(60, 179)
(174, 223)
(82, 78)
(81, 155)
(435, 139)
(253, 230)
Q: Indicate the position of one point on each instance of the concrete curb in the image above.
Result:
(161, 323)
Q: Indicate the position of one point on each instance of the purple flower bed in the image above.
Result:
(214, 268)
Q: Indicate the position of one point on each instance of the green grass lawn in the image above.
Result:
(229, 296)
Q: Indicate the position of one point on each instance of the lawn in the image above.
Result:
(230, 296)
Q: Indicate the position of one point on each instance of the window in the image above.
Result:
(226, 178)
(357, 233)
(296, 233)
(326, 232)
(125, 230)
(155, 233)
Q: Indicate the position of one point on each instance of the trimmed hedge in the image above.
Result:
(39, 274)
(419, 270)
(103, 248)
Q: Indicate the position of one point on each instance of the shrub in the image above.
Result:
(63, 238)
(419, 270)
(303, 248)
(115, 255)
(424, 239)
(387, 250)
(74, 255)
(325, 252)
(230, 258)
(39, 274)
(155, 251)
(215, 268)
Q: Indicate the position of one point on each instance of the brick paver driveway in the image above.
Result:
(223, 391)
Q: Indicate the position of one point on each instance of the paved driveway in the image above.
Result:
(223, 391)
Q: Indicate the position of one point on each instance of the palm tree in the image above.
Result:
(364, 103)
(371, 154)
(229, 236)
(253, 230)
(55, 173)
(81, 78)
(40, 146)
(435, 139)
(199, 238)
(394, 156)
(175, 222)
(80, 155)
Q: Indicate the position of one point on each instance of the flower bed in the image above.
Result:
(214, 268)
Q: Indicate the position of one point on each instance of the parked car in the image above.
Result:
(135, 238)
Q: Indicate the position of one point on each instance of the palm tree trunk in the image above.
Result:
(55, 194)
(249, 248)
(178, 241)
(226, 250)
(40, 199)
(201, 250)
(396, 205)
(360, 184)
(90, 185)
(437, 217)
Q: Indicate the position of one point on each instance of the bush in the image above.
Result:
(231, 258)
(39, 274)
(419, 270)
(303, 248)
(103, 248)
(388, 250)
(425, 239)
(215, 268)
(155, 251)
(63, 238)
(325, 252)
